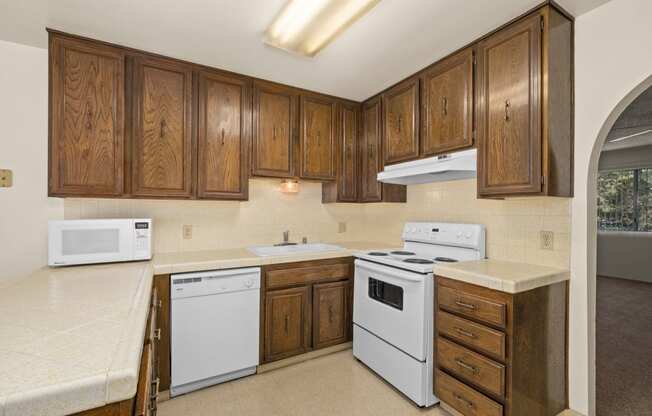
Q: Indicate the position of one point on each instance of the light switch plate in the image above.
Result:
(6, 178)
(187, 232)
(341, 227)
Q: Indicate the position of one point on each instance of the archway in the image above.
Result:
(592, 219)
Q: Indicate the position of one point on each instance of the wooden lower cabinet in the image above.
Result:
(287, 324)
(500, 354)
(305, 306)
(330, 313)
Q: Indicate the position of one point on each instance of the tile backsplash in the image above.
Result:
(513, 225)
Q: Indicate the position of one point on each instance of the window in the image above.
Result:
(625, 200)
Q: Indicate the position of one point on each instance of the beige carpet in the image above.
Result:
(624, 348)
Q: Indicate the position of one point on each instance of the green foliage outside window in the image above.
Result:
(625, 200)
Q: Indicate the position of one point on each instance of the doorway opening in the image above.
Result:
(623, 327)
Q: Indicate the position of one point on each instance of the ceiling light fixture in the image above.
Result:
(307, 26)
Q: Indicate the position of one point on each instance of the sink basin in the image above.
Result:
(265, 251)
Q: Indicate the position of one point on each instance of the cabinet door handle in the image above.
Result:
(460, 398)
(222, 137)
(163, 128)
(330, 314)
(89, 121)
(287, 319)
(466, 366)
(465, 305)
(507, 110)
(400, 121)
(371, 151)
(274, 133)
(159, 304)
(444, 106)
(465, 333)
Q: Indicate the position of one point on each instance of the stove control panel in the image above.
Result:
(458, 235)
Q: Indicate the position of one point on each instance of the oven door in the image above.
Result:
(391, 304)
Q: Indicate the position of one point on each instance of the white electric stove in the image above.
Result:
(394, 301)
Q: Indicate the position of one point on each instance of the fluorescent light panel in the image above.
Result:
(307, 26)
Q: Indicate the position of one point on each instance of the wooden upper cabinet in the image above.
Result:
(287, 323)
(524, 108)
(275, 121)
(162, 128)
(318, 145)
(349, 126)
(86, 118)
(447, 105)
(370, 145)
(330, 314)
(223, 136)
(401, 122)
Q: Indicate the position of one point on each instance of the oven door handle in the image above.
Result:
(396, 273)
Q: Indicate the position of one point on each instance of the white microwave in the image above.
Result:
(73, 242)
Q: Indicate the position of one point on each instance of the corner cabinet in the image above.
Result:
(305, 306)
(275, 129)
(401, 122)
(224, 136)
(447, 105)
(345, 188)
(162, 142)
(87, 119)
(524, 108)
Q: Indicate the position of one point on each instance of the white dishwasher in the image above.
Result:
(214, 327)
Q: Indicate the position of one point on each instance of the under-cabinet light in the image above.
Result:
(307, 26)
(289, 186)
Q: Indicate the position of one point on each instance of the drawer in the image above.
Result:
(478, 308)
(479, 337)
(464, 399)
(472, 367)
(153, 332)
(279, 278)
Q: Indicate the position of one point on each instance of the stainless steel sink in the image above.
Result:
(283, 250)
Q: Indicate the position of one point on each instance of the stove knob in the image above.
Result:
(249, 283)
(459, 235)
(468, 235)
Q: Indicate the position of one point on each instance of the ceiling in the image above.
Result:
(394, 40)
(635, 119)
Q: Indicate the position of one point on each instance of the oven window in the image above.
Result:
(386, 293)
(89, 241)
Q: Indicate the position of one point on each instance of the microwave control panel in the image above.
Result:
(142, 239)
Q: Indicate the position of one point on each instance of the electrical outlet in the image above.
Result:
(6, 177)
(187, 232)
(547, 240)
(341, 227)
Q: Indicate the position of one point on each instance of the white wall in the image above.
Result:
(24, 208)
(625, 254)
(613, 57)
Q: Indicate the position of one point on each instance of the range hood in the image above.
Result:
(449, 167)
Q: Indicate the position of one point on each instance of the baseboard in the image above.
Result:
(303, 357)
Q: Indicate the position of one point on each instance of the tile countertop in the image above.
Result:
(509, 277)
(71, 338)
(193, 261)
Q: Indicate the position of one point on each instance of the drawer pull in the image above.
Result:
(466, 366)
(157, 334)
(159, 304)
(465, 305)
(465, 333)
(467, 402)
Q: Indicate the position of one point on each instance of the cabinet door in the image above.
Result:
(287, 323)
(275, 118)
(330, 314)
(86, 119)
(509, 112)
(162, 135)
(223, 136)
(370, 161)
(318, 145)
(348, 156)
(401, 122)
(447, 114)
